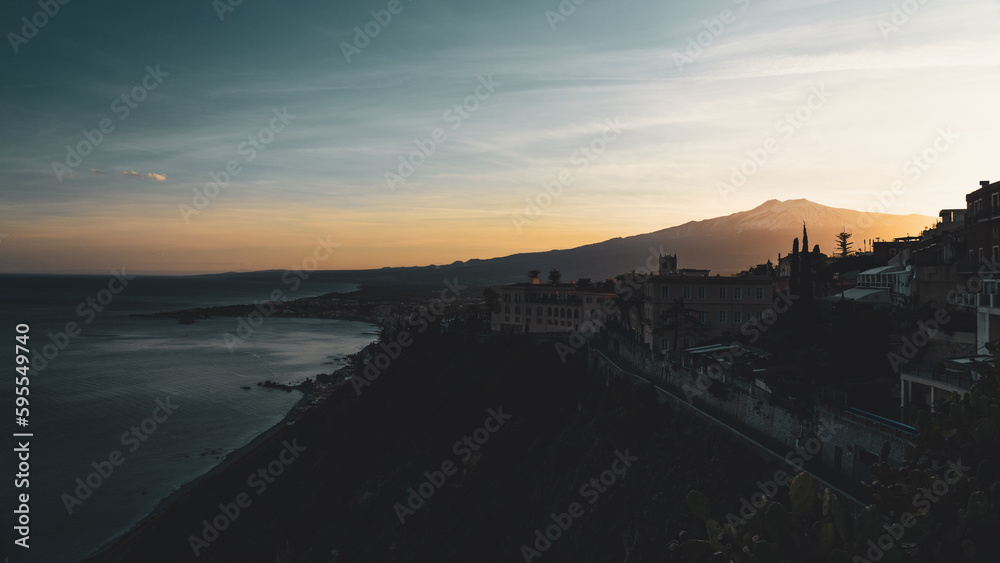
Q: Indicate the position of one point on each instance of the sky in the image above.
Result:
(415, 132)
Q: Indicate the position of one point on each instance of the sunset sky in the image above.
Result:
(843, 102)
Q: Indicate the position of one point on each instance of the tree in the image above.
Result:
(843, 243)
(492, 300)
(942, 505)
(766, 269)
(532, 274)
(680, 320)
(584, 283)
(793, 282)
(805, 277)
(554, 277)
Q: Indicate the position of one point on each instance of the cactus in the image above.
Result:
(764, 552)
(943, 503)
(777, 521)
(868, 525)
(698, 504)
(803, 494)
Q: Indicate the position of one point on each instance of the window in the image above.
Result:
(506, 297)
(760, 294)
(980, 254)
(701, 316)
(665, 292)
(737, 293)
(589, 299)
(722, 292)
(576, 313)
(517, 309)
(538, 310)
(737, 317)
(687, 292)
(995, 204)
(722, 317)
(517, 298)
(506, 309)
(701, 292)
(996, 251)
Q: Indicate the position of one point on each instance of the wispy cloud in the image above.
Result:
(149, 175)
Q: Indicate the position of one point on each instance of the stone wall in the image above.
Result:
(847, 440)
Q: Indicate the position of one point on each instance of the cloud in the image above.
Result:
(150, 175)
(96, 171)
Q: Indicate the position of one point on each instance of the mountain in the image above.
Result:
(723, 245)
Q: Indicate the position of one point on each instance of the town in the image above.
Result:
(869, 340)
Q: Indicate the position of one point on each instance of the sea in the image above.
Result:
(89, 390)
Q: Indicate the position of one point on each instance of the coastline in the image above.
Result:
(311, 407)
(237, 455)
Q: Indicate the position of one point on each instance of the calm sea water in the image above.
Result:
(107, 380)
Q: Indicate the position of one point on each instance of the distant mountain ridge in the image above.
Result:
(726, 244)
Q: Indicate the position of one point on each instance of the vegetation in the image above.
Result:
(491, 300)
(844, 243)
(942, 505)
(364, 452)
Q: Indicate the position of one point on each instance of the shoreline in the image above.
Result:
(293, 415)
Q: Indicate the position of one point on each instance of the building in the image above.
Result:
(982, 222)
(885, 251)
(685, 307)
(888, 284)
(534, 307)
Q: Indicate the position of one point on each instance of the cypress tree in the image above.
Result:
(805, 278)
(793, 282)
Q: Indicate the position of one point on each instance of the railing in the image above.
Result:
(962, 379)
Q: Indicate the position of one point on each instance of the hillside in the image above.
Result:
(724, 245)
(340, 500)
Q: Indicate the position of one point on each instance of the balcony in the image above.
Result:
(954, 376)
